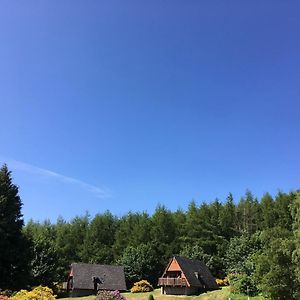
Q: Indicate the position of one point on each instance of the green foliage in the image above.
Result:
(257, 241)
(163, 233)
(133, 229)
(227, 219)
(275, 272)
(248, 212)
(213, 262)
(141, 287)
(238, 257)
(268, 215)
(243, 284)
(13, 246)
(44, 258)
(69, 244)
(99, 239)
(150, 297)
(140, 262)
(194, 252)
(295, 210)
(282, 210)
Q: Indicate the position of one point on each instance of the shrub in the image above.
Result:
(59, 290)
(109, 295)
(2, 296)
(141, 287)
(38, 293)
(243, 284)
(5, 294)
(104, 295)
(222, 282)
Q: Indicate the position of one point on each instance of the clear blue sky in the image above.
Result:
(122, 105)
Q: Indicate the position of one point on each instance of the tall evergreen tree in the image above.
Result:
(248, 211)
(282, 207)
(100, 237)
(163, 233)
(68, 244)
(44, 256)
(267, 211)
(133, 230)
(228, 218)
(13, 259)
(295, 210)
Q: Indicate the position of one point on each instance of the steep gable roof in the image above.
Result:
(112, 277)
(196, 272)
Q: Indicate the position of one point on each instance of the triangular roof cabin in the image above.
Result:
(87, 279)
(184, 276)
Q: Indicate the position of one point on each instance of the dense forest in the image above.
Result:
(254, 242)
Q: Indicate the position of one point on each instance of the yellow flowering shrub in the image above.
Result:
(222, 282)
(38, 293)
(141, 287)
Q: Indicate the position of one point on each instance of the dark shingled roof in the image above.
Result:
(192, 267)
(113, 277)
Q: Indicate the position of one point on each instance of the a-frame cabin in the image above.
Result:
(184, 276)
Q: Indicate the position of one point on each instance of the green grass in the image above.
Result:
(79, 298)
(222, 294)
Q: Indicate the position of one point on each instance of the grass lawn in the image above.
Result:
(223, 294)
(217, 295)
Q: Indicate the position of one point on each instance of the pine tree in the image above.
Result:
(267, 211)
(228, 218)
(13, 262)
(295, 210)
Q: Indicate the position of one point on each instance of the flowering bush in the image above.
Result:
(109, 295)
(222, 282)
(141, 287)
(38, 293)
(2, 296)
(104, 295)
(117, 295)
(5, 294)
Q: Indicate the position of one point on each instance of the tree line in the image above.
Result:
(255, 242)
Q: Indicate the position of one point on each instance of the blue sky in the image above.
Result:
(122, 105)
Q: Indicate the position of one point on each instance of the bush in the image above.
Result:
(109, 295)
(5, 294)
(38, 293)
(3, 297)
(222, 282)
(243, 284)
(59, 290)
(142, 287)
(104, 295)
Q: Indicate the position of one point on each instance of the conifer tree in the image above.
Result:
(13, 262)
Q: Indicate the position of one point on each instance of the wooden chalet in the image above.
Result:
(87, 279)
(184, 276)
